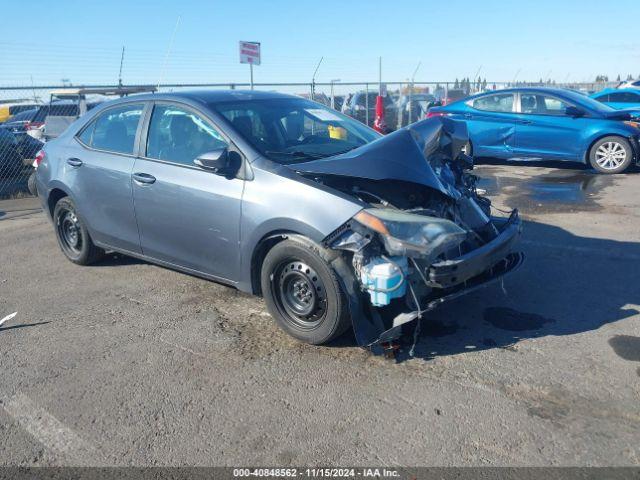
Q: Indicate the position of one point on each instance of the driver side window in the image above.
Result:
(180, 136)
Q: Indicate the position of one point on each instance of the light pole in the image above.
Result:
(313, 79)
(413, 79)
(333, 99)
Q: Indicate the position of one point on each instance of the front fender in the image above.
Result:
(632, 135)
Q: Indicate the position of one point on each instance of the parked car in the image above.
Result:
(11, 108)
(67, 105)
(332, 223)
(412, 108)
(548, 124)
(362, 107)
(10, 156)
(630, 84)
(619, 98)
(25, 121)
(17, 152)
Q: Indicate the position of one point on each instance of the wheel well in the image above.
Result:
(262, 248)
(54, 197)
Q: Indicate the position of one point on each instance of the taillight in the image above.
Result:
(38, 159)
(431, 114)
(33, 125)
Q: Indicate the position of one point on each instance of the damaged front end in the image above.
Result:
(424, 237)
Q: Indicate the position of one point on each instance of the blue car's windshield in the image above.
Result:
(587, 102)
(290, 130)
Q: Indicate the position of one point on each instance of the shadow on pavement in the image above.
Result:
(117, 259)
(22, 325)
(568, 285)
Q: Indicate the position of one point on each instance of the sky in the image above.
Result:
(566, 40)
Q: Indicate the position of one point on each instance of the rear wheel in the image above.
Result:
(31, 184)
(611, 155)
(72, 234)
(303, 293)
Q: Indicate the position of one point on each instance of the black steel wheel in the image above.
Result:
(72, 235)
(303, 293)
(299, 293)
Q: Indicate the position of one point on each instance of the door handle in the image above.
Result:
(74, 162)
(468, 115)
(144, 178)
(525, 122)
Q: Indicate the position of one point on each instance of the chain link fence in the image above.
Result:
(31, 116)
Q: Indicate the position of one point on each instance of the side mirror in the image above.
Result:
(572, 111)
(216, 161)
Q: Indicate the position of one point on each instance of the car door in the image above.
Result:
(187, 216)
(98, 170)
(491, 124)
(545, 131)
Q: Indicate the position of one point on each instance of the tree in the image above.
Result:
(457, 84)
(618, 79)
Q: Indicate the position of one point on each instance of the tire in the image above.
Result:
(611, 155)
(31, 184)
(72, 235)
(303, 293)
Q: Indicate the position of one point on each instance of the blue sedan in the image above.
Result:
(619, 98)
(548, 124)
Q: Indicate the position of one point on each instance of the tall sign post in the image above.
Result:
(250, 53)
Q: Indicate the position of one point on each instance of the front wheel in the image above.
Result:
(303, 293)
(611, 155)
(72, 234)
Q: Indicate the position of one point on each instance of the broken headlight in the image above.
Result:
(408, 233)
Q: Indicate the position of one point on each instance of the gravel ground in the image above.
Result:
(126, 363)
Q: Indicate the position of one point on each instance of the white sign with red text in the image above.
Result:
(250, 52)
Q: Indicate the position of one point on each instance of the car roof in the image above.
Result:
(556, 90)
(213, 96)
(635, 91)
(203, 97)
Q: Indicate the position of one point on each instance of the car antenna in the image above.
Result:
(166, 57)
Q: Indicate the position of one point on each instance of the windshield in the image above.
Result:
(291, 130)
(587, 102)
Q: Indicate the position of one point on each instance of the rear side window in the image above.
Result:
(495, 103)
(181, 136)
(114, 130)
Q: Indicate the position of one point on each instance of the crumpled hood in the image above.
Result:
(623, 114)
(408, 154)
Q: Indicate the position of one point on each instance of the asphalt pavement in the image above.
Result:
(127, 363)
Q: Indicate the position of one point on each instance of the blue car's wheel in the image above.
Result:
(611, 155)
